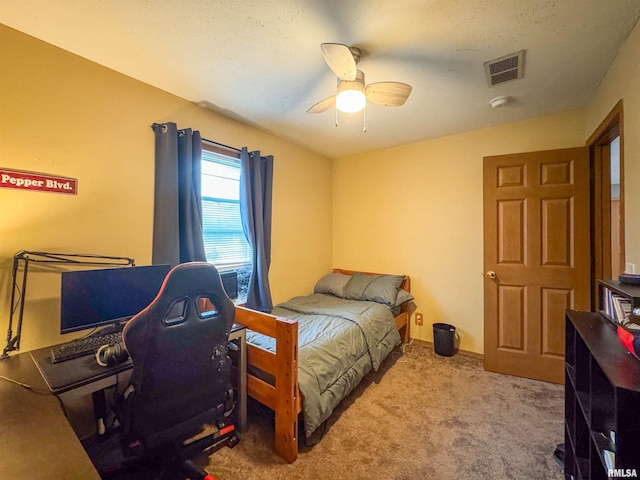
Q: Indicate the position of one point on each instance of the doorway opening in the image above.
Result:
(606, 152)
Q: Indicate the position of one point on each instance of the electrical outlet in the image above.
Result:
(419, 319)
(629, 267)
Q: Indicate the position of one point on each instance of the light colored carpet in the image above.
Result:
(421, 416)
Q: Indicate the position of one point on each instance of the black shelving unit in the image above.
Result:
(602, 400)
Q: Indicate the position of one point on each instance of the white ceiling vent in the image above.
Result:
(504, 69)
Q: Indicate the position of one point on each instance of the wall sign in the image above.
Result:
(40, 182)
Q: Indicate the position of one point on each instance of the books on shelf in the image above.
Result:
(615, 306)
(619, 310)
(632, 323)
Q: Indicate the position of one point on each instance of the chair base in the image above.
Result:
(171, 462)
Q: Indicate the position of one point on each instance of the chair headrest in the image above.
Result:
(197, 283)
(193, 278)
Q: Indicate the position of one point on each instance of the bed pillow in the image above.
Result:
(403, 296)
(332, 284)
(373, 288)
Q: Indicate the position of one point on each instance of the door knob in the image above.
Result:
(491, 274)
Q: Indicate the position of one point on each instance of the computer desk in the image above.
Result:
(35, 436)
(36, 439)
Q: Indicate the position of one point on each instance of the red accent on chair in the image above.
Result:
(227, 429)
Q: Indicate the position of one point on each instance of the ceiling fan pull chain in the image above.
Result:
(364, 118)
(336, 116)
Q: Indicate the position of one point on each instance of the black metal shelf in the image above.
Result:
(602, 395)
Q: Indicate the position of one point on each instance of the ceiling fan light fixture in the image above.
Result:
(350, 97)
(350, 101)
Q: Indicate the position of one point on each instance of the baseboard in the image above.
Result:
(461, 352)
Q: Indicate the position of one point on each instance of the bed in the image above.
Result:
(311, 351)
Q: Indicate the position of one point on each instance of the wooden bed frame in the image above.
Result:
(284, 398)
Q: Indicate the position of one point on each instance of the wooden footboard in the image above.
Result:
(283, 397)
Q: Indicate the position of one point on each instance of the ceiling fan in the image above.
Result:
(351, 93)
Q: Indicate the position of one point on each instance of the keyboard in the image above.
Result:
(83, 346)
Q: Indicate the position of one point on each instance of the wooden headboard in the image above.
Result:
(405, 285)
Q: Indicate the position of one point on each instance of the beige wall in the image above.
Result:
(417, 210)
(63, 115)
(621, 82)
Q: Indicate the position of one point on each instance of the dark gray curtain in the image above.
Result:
(256, 185)
(177, 218)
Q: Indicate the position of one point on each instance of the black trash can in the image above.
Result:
(443, 339)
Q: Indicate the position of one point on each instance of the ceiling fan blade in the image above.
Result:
(390, 94)
(323, 105)
(340, 60)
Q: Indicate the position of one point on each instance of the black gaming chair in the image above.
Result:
(181, 371)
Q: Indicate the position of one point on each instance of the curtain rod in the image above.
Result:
(222, 145)
(207, 140)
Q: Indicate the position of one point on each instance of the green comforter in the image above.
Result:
(339, 342)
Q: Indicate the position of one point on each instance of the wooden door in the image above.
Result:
(537, 241)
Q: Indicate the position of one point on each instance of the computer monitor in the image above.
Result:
(230, 283)
(93, 298)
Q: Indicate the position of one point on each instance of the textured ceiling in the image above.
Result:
(259, 60)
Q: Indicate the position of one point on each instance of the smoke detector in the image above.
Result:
(498, 102)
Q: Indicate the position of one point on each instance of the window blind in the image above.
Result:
(224, 241)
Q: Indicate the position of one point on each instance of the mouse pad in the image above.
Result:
(73, 373)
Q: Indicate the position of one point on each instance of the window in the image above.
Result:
(225, 244)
